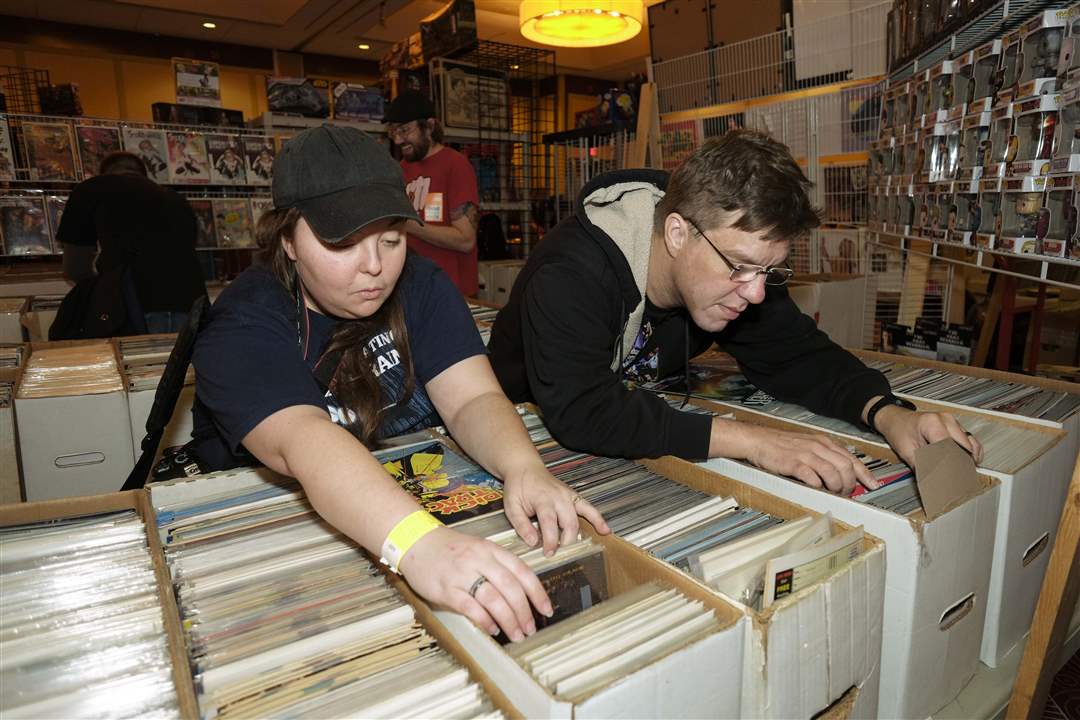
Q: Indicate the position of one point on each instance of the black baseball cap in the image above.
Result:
(340, 179)
(408, 106)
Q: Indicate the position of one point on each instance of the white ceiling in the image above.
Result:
(330, 27)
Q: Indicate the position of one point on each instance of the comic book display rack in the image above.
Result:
(224, 172)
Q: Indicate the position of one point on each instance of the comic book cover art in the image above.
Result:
(95, 144)
(232, 223)
(49, 151)
(259, 158)
(54, 205)
(7, 155)
(204, 222)
(150, 145)
(188, 161)
(226, 160)
(447, 485)
(23, 226)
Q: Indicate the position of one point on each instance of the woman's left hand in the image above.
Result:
(532, 491)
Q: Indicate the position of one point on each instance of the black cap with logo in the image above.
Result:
(341, 180)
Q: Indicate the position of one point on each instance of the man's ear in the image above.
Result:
(676, 233)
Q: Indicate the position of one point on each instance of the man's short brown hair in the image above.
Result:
(742, 179)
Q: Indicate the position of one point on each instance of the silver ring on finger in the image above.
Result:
(480, 580)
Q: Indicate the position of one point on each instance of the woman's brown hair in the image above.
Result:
(355, 385)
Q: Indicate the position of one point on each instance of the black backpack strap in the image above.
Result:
(167, 395)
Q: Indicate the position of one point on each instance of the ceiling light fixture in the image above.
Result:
(209, 25)
(580, 23)
(363, 46)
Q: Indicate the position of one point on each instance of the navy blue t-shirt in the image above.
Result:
(249, 362)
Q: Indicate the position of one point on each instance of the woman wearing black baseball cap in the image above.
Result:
(341, 338)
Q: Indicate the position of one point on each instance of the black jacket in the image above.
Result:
(555, 340)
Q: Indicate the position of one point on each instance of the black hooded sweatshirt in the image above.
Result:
(578, 304)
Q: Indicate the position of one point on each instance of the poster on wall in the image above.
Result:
(198, 82)
(150, 145)
(96, 142)
(678, 140)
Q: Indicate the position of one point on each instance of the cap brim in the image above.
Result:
(338, 215)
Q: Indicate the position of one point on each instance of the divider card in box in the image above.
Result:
(808, 647)
(936, 586)
(283, 615)
(74, 426)
(115, 624)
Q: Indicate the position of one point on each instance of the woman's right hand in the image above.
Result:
(443, 566)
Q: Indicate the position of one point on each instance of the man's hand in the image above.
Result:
(907, 431)
(532, 491)
(816, 460)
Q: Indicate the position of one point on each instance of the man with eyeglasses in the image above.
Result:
(653, 270)
(441, 183)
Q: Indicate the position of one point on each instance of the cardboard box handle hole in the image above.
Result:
(957, 612)
(79, 460)
(1035, 549)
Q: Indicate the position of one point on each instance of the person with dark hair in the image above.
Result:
(139, 229)
(339, 338)
(652, 270)
(441, 183)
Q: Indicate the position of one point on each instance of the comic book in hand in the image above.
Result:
(573, 582)
(447, 485)
(49, 151)
(96, 142)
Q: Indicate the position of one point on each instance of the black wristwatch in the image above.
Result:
(883, 402)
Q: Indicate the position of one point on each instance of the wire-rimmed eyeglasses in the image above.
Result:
(744, 273)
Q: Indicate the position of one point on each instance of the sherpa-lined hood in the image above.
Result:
(616, 209)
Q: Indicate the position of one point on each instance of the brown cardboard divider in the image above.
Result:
(19, 513)
(945, 475)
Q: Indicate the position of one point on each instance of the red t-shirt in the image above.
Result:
(438, 185)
